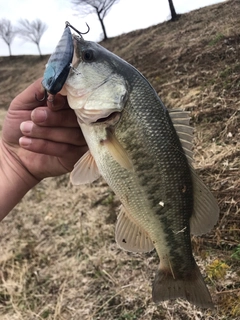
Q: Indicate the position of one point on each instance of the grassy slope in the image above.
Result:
(58, 256)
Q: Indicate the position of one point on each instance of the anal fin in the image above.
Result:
(129, 236)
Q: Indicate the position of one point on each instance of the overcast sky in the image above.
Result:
(125, 16)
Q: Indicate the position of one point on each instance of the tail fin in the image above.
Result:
(192, 288)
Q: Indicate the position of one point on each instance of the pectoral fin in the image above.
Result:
(205, 211)
(117, 151)
(85, 170)
(129, 236)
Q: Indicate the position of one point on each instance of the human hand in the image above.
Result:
(39, 139)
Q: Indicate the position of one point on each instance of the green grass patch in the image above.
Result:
(217, 39)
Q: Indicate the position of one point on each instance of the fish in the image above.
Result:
(59, 63)
(144, 153)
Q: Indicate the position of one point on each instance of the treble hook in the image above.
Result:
(80, 33)
(48, 97)
(44, 97)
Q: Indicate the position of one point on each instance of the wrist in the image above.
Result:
(15, 180)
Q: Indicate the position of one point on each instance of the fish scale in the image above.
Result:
(165, 163)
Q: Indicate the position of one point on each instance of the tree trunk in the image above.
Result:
(9, 49)
(172, 9)
(40, 53)
(103, 26)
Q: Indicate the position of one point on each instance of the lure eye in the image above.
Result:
(50, 81)
(88, 55)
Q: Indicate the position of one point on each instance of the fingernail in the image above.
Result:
(26, 127)
(39, 116)
(25, 142)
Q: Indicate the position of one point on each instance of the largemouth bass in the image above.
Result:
(143, 151)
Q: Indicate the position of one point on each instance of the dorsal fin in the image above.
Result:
(129, 236)
(180, 120)
(205, 209)
(179, 116)
(85, 170)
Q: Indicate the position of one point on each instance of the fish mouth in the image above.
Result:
(112, 118)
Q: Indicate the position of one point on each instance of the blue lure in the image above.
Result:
(59, 64)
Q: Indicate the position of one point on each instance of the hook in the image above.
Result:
(80, 33)
(50, 98)
(44, 97)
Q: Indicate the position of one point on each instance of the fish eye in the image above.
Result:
(88, 55)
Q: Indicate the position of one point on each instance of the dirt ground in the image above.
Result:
(59, 259)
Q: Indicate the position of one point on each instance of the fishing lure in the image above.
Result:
(59, 64)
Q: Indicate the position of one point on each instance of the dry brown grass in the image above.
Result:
(58, 257)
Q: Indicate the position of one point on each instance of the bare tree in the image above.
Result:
(174, 15)
(7, 33)
(100, 7)
(32, 31)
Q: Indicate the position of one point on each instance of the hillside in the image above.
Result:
(59, 259)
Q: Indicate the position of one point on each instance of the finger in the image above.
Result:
(72, 136)
(29, 98)
(53, 148)
(57, 102)
(43, 116)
